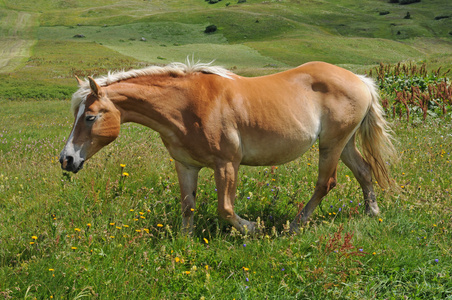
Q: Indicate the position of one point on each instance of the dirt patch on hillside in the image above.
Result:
(16, 39)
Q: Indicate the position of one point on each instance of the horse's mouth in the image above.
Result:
(79, 167)
(72, 167)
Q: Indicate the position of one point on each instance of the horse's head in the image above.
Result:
(96, 124)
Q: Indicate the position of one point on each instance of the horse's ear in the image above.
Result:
(95, 88)
(79, 82)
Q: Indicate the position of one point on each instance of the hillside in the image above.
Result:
(49, 41)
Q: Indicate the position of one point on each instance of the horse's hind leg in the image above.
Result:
(328, 160)
(363, 173)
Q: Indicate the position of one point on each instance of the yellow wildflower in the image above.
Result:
(159, 225)
(177, 259)
(122, 165)
(51, 270)
(34, 237)
(125, 174)
(206, 241)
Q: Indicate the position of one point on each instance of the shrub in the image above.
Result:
(442, 17)
(404, 2)
(210, 29)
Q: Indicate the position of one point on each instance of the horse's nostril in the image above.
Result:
(70, 160)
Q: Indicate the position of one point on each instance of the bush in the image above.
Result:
(404, 2)
(210, 29)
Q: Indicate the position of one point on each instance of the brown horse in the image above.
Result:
(210, 117)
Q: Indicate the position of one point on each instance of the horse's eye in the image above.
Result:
(90, 118)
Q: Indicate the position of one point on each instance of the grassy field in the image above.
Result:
(103, 235)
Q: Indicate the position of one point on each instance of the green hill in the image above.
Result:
(49, 41)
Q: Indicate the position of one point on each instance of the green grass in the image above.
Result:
(49, 72)
(111, 260)
(164, 43)
(406, 251)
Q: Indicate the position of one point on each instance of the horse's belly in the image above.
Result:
(267, 152)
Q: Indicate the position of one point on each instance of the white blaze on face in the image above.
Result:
(70, 149)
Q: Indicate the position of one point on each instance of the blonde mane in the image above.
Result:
(174, 68)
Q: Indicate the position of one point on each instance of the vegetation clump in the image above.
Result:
(210, 29)
(404, 2)
(414, 91)
(442, 17)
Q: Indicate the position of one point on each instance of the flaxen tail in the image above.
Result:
(376, 137)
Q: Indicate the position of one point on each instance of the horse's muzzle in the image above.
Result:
(69, 164)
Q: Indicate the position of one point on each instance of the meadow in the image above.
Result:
(112, 231)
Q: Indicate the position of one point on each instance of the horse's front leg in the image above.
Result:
(188, 182)
(226, 174)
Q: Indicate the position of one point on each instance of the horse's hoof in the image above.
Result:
(372, 210)
(249, 228)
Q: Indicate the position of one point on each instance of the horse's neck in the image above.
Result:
(157, 108)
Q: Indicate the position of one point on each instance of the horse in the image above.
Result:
(210, 117)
